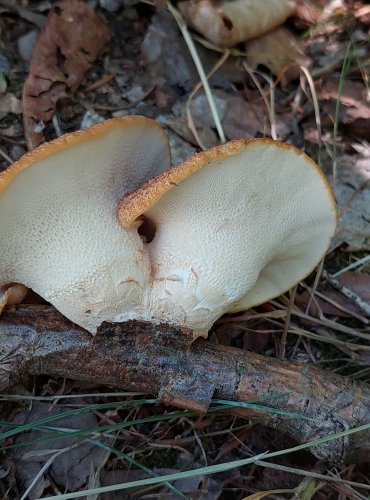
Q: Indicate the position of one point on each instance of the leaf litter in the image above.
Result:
(73, 37)
(147, 70)
(71, 459)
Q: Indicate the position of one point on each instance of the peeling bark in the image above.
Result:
(137, 356)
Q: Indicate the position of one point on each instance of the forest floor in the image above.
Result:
(311, 91)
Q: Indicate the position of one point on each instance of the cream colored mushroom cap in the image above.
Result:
(236, 225)
(59, 232)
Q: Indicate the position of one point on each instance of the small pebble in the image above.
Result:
(4, 64)
(17, 152)
(26, 44)
(110, 5)
(90, 118)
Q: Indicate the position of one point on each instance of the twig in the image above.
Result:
(342, 308)
(315, 284)
(313, 474)
(269, 105)
(283, 339)
(37, 340)
(354, 265)
(364, 306)
(56, 125)
(198, 86)
(5, 156)
(195, 56)
(315, 102)
(345, 67)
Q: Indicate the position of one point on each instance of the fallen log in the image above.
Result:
(161, 360)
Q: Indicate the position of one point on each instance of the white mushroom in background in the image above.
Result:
(236, 226)
(227, 23)
(59, 232)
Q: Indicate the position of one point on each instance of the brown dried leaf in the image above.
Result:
(190, 485)
(70, 469)
(354, 221)
(327, 307)
(243, 119)
(352, 193)
(308, 12)
(66, 48)
(358, 283)
(229, 23)
(9, 103)
(279, 51)
(234, 441)
(355, 109)
(352, 187)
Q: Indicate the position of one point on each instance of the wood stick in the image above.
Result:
(161, 360)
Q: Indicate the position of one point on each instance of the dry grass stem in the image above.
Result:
(270, 106)
(312, 474)
(197, 87)
(198, 64)
(351, 295)
(5, 156)
(315, 284)
(327, 299)
(283, 339)
(354, 265)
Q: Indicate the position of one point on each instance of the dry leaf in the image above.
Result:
(352, 193)
(9, 103)
(187, 485)
(71, 468)
(358, 283)
(279, 51)
(326, 307)
(308, 12)
(354, 222)
(66, 48)
(355, 108)
(246, 119)
(228, 23)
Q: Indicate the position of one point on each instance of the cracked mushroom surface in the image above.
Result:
(59, 232)
(236, 226)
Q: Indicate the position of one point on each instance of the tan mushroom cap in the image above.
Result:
(59, 231)
(236, 225)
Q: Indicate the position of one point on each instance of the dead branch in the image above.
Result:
(136, 356)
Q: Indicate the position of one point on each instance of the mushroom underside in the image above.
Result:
(228, 229)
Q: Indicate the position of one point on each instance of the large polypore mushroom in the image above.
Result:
(235, 226)
(228, 229)
(59, 232)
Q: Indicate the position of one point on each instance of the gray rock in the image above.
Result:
(26, 44)
(4, 64)
(110, 5)
(90, 118)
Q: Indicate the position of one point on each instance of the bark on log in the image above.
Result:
(161, 360)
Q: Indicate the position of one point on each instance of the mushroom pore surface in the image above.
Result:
(229, 228)
(59, 232)
(236, 225)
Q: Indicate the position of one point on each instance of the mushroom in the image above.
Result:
(59, 232)
(236, 226)
(227, 23)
